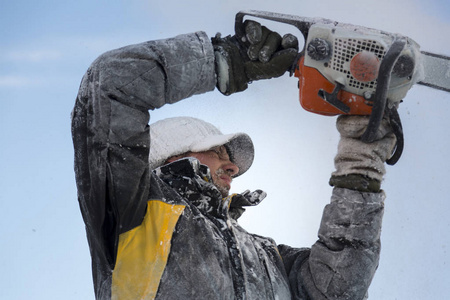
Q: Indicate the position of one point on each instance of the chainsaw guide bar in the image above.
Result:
(436, 71)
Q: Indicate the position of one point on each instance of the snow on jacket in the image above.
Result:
(166, 233)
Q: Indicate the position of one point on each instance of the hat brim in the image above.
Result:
(239, 146)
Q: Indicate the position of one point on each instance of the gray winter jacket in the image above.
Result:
(166, 233)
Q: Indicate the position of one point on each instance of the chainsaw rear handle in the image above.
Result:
(301, 23)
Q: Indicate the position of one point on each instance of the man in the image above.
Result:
(155, 199)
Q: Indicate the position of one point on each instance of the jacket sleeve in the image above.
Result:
(342, 263)
(110, 127)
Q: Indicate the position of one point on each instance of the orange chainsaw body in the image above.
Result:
(310, 82)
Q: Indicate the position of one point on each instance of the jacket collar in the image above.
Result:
(193, 181)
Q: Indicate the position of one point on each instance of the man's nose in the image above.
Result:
(231, 168)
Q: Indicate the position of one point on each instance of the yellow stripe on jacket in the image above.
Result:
(143, 251)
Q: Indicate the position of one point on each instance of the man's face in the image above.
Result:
(221, 168)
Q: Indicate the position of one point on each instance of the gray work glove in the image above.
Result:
(260, 54)
(359, 165)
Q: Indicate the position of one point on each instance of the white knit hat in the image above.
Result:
(175, 136)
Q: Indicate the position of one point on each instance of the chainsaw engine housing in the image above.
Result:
(342, 61)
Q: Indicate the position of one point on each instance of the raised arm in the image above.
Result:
(110, 126)
(342, 263)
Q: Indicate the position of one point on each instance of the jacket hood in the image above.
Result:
(193, 181)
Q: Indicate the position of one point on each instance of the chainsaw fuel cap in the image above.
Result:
(364, 66)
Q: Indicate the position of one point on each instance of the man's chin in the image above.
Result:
(224, 190)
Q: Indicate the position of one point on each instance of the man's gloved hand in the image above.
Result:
(359, 165)
(260, 54)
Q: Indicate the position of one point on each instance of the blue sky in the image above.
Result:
(46, 46)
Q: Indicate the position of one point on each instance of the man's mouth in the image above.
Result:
(226, 179)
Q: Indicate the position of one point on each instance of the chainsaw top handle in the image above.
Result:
(380, 102)
(381, 108)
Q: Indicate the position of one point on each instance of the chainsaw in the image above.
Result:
(345, 69)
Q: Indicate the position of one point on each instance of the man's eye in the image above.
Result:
(218, 152)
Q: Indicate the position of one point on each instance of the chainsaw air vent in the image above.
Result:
(343, 52)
